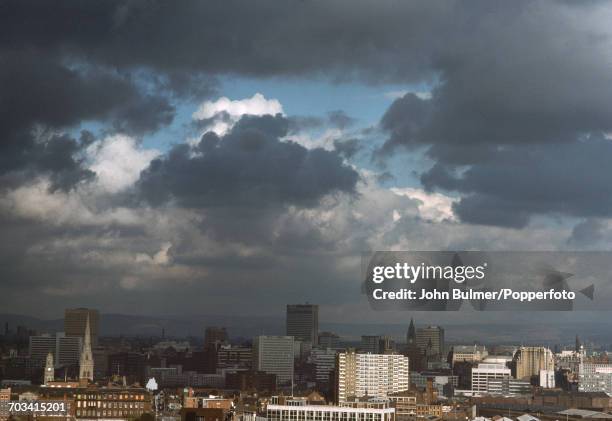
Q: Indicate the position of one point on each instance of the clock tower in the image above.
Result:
(49, 369)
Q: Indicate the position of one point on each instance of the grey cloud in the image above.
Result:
(348, 148)
(588, 233)
(515, 121)
(249, 166)
(300, 123)
(57, 157)
(41, 96)
(337, 118)
(340, 119)
(505, 73)
(522, 180)
(191, 36)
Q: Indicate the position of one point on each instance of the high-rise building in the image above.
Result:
(40, 347)
(66, 350)
(274, 355)
(303, 322)
(375, 375)
(86, 363)
(324, 361)
(215, 336)
(75, 320)
(431, 339)
(595, 377)
(529, 360)
(100, 359)
(485, 373)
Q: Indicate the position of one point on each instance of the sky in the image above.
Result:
(231, 157)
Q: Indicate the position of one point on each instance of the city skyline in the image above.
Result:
(422, 376)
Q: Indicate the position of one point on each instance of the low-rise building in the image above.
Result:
(328, 413)
(113, 403)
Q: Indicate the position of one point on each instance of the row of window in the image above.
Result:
(104, 413)
(112, 396)
(321, 416)
(104, 404)
(328, 417)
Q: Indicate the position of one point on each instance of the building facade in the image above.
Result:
(274, 355)
(324, 361)
(485, 374)
(234, 356)
(214, 336)
(303, 322)
(595, 377)
(469, 353)
(112, 403)
(75, 320)
(66, 350)
(431, 338)
(328, 413)
(375, 375)
(529, 360)
(5, 397)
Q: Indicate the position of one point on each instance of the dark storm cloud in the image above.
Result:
(250, 166)
(260, 39)
(516, 121)
(507, 73)
(41, 95)
(57, 156)
(570, 178)
(506, 178)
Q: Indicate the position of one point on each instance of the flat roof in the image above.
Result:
(330, 408)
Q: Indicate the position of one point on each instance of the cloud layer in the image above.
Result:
(511, 135)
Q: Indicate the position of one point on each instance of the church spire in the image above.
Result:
(86, 362)
(411, 337)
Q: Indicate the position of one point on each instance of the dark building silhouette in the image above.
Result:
(303, 322)
(215, 336)
(75, 322)
(251, 380)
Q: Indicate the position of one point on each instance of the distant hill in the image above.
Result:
(247, 327)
